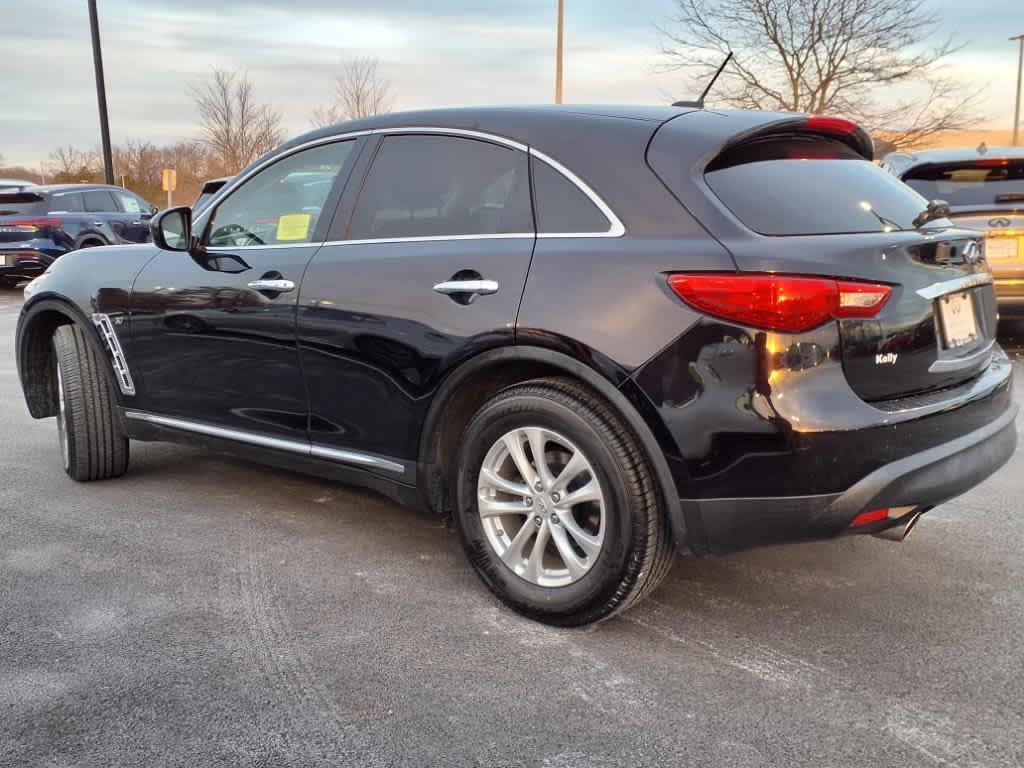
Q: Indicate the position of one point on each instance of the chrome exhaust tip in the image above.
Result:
(908, 517)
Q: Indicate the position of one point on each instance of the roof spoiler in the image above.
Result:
(846, 131)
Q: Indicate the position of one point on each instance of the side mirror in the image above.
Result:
(172, 229)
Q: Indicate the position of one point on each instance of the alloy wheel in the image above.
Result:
(541, 506)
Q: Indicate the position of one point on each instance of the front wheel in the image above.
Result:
(557, 506)
(92, 444)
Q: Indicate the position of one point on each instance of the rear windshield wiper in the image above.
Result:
(937, 209)
(1010, 197)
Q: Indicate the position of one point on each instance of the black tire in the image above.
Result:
(637, 550)
(93, 444)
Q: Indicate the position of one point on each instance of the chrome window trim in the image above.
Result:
(266, 441)
(615, 226)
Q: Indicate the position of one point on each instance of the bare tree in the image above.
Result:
(817, 56)
(70, 164)
(359, 90)
(235, 127)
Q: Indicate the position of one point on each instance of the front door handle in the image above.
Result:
(275, 286)
(481, 287)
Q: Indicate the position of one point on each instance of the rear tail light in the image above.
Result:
(779, 302)
(31, 225)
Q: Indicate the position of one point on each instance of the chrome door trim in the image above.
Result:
(935, 290)
(266, 441)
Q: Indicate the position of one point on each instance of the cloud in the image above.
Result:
(441, 53)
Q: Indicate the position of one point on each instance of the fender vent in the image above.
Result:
(124, 376)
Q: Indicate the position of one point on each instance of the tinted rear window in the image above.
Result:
(976, 182)
(19, 203)
(439, 186)
(801, 185)
(561, 206)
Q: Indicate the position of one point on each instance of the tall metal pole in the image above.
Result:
(1020, 71)
(558, 52)
(101, 92)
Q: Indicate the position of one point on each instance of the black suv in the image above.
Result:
(39, 223)
(594, 336)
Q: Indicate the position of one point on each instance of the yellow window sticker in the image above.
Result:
(293, 226)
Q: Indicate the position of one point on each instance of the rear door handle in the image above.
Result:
(276, 286)
(481, 287)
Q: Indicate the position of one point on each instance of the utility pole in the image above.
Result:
(558, 52)
(1020, 71)
(101, 92)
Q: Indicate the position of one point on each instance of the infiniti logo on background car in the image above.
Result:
(999, 222)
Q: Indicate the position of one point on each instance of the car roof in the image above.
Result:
(52, 188)
(903, 161)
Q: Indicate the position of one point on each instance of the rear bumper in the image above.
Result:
(920, 480)
(18, 265)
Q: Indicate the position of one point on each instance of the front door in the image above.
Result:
(429, 272)
(213, 334)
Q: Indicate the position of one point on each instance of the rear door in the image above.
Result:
(213, 334)
(428, 267)
(133, 217)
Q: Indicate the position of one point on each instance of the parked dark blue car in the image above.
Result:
(39, 223)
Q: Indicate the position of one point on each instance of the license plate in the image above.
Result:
(1001, 248)
(959, 325)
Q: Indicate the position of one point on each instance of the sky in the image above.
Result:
(435, 53)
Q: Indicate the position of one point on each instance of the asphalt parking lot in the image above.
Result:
(207, 611)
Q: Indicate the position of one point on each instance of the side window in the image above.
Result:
(69, 201)
(439, 186)
(129, 202)
(99, 201)
(282, 204)
(562, 207)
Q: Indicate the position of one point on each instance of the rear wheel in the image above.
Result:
(92, 443)
(558, 510)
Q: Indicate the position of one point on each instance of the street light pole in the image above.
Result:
(558, 52)
(101, 92)
(1020, 71)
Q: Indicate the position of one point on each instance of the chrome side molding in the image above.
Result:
(266, 441)
(121, 372)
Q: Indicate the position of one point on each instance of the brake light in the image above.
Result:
(786, 303)
(992, 162)
(829, 124)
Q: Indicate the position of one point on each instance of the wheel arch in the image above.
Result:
(34, 340)
(466, 388)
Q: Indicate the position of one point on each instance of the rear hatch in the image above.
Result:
(801, 198)
(984, 194)
(22, 218)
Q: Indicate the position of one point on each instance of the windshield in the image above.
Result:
(984, 181)
(808, 185)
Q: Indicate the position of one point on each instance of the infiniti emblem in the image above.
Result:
(1000, 222)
